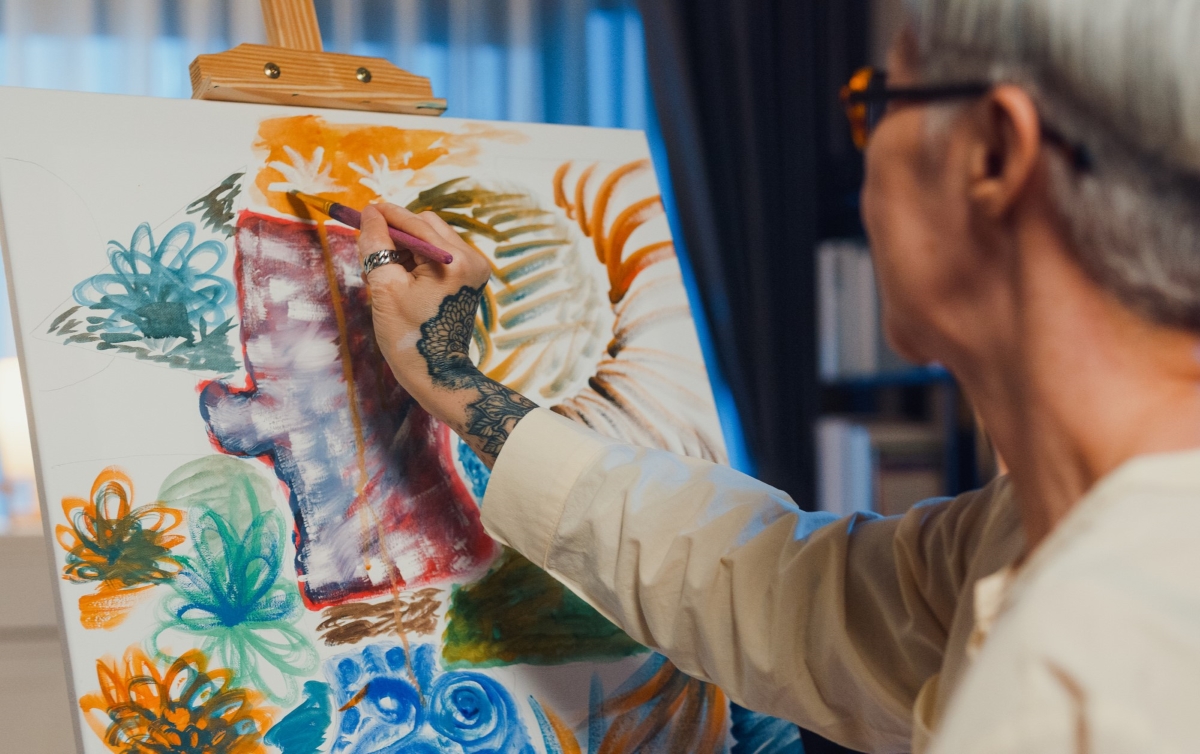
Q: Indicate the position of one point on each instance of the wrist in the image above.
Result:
(442, 402)
(481, 410)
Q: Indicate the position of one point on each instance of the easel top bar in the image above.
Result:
(295, 70)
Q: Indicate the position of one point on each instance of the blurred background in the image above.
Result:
(739, 101)
(760, 178)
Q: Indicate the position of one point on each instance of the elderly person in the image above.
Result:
(1032, 189)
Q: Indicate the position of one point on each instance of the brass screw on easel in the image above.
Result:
(272, 70)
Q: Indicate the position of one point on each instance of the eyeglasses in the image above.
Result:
(867, 95)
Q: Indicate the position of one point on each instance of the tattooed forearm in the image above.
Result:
(494, 410)
(491, 418)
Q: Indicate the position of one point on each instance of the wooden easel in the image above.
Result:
(294, 70)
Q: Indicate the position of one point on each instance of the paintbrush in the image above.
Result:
(353, 218)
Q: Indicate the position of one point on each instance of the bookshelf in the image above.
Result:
(888, 433)
(909, 423)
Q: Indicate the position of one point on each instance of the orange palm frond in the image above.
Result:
(636, 264)
(581, 213)
(600, 204)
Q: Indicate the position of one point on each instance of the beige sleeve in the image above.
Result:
(833, 624)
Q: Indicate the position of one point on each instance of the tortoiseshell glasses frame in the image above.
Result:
(866, 97)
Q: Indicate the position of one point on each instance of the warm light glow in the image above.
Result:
(16, 455)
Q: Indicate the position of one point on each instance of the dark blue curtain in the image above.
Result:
(762, 169)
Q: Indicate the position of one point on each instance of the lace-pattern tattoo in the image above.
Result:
(445, 343)
(446, 339)
(491, 418)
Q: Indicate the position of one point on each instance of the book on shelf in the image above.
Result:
(850, 333)
(845, 477)
(883, 466)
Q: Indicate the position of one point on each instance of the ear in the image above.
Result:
(1005, 155)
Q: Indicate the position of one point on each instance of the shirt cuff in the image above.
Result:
(532, 479)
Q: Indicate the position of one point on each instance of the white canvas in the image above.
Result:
(261, 543)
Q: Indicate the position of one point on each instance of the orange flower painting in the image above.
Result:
(127, 550)
(186, 708)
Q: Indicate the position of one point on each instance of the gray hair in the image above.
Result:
(1121, 78)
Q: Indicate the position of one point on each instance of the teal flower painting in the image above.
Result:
(229, 596)
(160, 300)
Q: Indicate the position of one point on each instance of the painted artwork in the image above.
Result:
(263, 543)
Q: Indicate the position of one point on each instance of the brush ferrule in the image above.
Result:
(324, 206)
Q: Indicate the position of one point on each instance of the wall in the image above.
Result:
(886, 19)
(35, 713)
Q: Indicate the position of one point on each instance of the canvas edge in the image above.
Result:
(693, 303)
(43, 500)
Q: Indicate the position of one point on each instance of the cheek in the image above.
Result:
(905, 222)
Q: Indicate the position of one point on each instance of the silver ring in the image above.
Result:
(379, 259)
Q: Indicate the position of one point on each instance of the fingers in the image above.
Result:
(373, 237)
(475, 266)
(468, 263)
(417, 225)
(441, 227)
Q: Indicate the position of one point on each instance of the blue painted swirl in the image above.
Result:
(470, 708)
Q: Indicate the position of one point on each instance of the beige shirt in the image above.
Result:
(860, 629)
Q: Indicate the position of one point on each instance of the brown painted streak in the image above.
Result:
(355, 621)
(668, 359)
(573, 414)
(624, 367)
(704, 447)
(623, 427)
(601, 409)
(629, 408)
(628, 332)
(614, 376)
(356, 698)
(648, 289)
